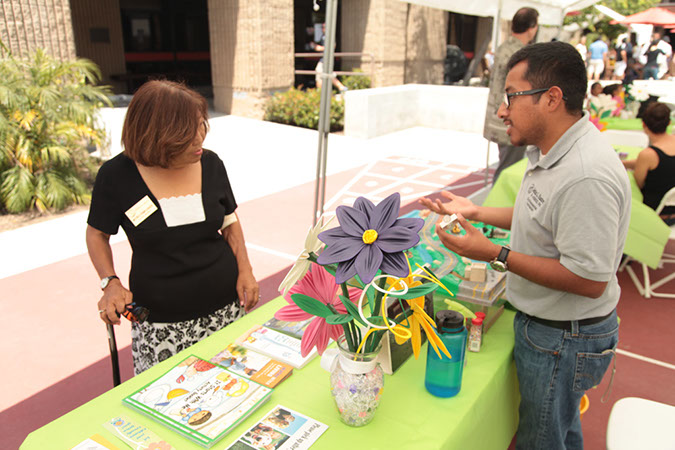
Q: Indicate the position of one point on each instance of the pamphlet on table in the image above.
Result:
(199, 400)
(95, 442)
(281, 429)
(135, 435)
(250, 364)
(275, 345)
(292, 329)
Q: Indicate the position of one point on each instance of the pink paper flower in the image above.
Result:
(320, 285)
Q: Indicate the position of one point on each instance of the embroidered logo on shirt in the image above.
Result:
(141, 211)
(534, 198)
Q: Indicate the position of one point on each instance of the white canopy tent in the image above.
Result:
(551, 12)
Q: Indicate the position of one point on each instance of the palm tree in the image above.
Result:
(47, 119)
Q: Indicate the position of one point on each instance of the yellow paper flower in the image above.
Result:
(419, 318)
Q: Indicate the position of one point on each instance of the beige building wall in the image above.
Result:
(26, 25)
(427, 32)
(377, 27)
(109, 56)
(407, 41)
(251, 52)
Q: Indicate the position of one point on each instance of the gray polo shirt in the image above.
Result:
(573, 205)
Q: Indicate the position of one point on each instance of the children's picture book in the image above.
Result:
(250, 364)
(95, 442)
(275, 345)
(199, 400)
(281, 429)
(135, 435)
(293, 329)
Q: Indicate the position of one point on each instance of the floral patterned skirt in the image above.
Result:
(152, 343)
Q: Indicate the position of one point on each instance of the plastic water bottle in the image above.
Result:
(444, 376)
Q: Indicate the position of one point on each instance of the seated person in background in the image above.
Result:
(615, 91)
(654, 167)
(596, 90)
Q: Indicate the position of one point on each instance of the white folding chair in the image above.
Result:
(648, 289)
(636, 423)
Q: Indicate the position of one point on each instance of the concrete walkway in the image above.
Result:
(261, 158)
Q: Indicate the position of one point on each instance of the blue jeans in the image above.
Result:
(555, 367)
(650, 72)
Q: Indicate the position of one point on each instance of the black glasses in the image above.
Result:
(135, 313)
(507, 96)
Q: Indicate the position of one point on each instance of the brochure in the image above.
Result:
(293, 329)
(135, 435)
(199, 400)
(275, 345)
(281, 429)
(95, 442)
(250, 364)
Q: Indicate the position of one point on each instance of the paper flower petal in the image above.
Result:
(310, 336)
(333, 235)
(291, 313)
(397, 239)
(395, 264)
(352, 221)
(344, 250)
(345, 271)
(368, 263)
(411, 223)
(385, 213)
(365, 206)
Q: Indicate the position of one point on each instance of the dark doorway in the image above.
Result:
(167, 39)
(308, 30)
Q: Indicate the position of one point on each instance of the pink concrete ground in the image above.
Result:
(56, 351)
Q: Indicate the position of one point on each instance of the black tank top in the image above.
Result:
(659, 181)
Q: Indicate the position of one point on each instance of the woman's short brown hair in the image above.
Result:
(656, 117)
(162, 121)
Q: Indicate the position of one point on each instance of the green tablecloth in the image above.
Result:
(483, 415)
(616, 123)
(647, 233)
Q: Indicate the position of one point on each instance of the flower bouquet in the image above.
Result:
(343, 280)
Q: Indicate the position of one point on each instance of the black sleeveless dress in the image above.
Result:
(659, 181)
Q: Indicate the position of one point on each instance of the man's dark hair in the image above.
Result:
(524, 19)
(656, 117)
(555, 64)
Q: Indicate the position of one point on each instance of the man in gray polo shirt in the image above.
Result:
(569, 225)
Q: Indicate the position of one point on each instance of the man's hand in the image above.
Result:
(247, 290)
(113, 302)
(473, 244)
(456, 205)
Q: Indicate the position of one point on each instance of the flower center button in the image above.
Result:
(369, 236)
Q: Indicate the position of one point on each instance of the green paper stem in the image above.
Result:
(348, 337)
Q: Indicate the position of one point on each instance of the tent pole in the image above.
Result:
(324, 110)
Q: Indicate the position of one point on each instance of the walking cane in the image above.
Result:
(114, 359)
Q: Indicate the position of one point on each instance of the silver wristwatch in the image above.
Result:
(105, 281)
(499, 263)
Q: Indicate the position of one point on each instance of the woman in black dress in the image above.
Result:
(173, 199)
(654, 168)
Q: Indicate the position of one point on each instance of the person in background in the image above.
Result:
(598, 55)
(596, 90)
(319, 47)
(523, 31)
(172, 198)
(568, 228)
(615, 91)
(652, 53)
(582, 49)
(624, 51)
(654, 168)
(664, 58)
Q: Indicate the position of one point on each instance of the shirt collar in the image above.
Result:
(562, 146)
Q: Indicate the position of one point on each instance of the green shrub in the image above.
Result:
(47, 119)
(354, 82)
(301, 108)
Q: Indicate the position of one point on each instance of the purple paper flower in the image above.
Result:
(370, 238)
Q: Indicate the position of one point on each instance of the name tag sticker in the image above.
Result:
(141, 211)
